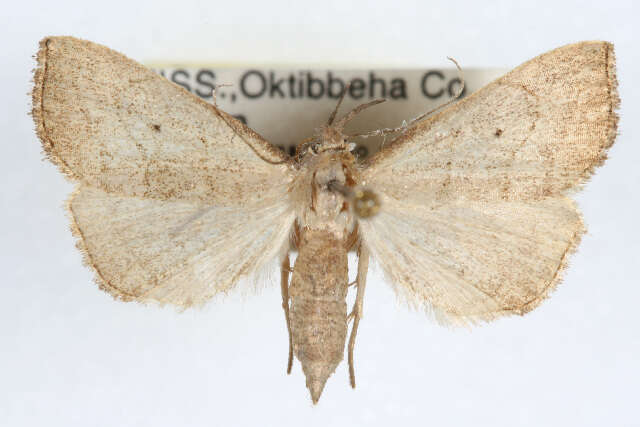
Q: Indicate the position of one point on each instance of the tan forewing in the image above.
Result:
(116, 125)
(474, 221)
(536, 132)
(176, 252)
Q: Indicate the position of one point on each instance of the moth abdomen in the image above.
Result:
(318, 294)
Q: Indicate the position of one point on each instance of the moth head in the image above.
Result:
(332, 136)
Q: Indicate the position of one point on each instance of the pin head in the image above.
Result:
(365, 203)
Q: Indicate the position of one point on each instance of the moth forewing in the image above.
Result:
(111, 123)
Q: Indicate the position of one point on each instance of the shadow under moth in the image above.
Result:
(467, 210)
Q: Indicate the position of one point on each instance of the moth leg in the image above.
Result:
(356, 313)
(284, 287)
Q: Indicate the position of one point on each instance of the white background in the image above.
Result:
(72, 356)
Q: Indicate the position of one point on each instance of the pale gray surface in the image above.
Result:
(71, 356)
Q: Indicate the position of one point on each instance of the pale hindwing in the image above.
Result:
(173, 251)
(474, 221)
(473, 261)
(113, 124)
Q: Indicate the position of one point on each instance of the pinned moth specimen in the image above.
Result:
(467, 211)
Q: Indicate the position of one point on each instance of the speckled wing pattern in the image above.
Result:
(476, 221)
(176, 200)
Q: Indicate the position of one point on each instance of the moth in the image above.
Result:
(467, 211)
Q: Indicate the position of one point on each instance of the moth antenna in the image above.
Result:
(215, 89)
(406, 125)
(460, 76)
(215, 104)
(351, 114)
(224, 119)
(451, 101)
(335, 111)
